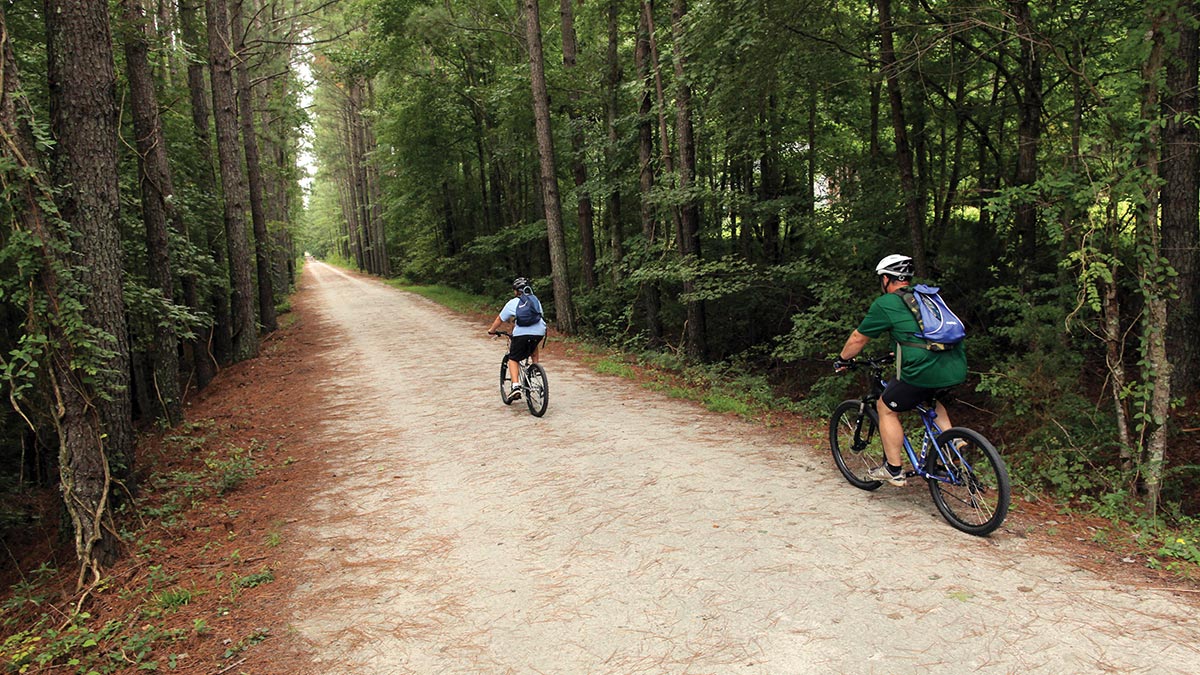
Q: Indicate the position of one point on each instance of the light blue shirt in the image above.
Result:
(510, 312)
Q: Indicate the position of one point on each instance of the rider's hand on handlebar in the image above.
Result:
(840, 364)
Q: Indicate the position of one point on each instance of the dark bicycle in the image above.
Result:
(534, 386)
(967, 477)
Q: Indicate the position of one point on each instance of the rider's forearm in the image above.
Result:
(854, 345)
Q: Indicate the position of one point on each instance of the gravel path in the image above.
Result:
(626, 532)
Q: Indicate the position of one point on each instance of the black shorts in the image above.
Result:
(901, 396)
(523, 346)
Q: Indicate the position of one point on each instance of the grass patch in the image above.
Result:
(453, 298)
(724, 403)
(610, 365)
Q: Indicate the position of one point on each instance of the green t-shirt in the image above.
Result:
(918, 367)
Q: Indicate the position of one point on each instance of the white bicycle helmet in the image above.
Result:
(896, 265)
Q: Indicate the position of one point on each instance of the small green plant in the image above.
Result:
(29, 591)
(230, 471)
(724, 403)
(174, 598)
(259, 578)
(613, 366)
(257, 636)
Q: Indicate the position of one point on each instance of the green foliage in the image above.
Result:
(110, 649)
(613, 366)
(231, 469)
(258, 636)
(458, 300)
(259, 578)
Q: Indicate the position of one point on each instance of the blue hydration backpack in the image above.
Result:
(529, 310)
(939, 327)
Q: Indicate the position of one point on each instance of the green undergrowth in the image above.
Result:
(452, 298)
(149, 613)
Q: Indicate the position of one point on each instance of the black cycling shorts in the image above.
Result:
(523, 346)
(901, 396)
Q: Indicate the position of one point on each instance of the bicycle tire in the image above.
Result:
(537, 390)
(856, 447)
(504, 381)
(973, 493)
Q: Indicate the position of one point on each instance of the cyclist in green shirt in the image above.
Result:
(920, 372)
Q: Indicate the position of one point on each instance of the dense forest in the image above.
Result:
(718, 179)
(711, 180)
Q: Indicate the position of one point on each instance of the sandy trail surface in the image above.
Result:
(626, 532)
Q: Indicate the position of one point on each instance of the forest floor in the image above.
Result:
(398, 518)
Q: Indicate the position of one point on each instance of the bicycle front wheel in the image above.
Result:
(537, 390)
(505, 379)
(854, 442)
(969, 482)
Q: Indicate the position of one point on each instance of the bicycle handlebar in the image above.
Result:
(877, 362)
(500, 332)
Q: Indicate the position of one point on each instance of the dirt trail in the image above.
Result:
(625, 532)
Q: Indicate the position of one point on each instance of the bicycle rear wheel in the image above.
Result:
(504, 382)
(537, 390)
(854, 442)
(969, 482)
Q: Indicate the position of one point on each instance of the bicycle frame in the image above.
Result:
(966, 476)
(930, 432)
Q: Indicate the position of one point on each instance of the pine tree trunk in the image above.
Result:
(97, 427)
(1029, 130)
(155, 181)
(220, 48)
(1180, 206)
(612, 210)
(904, 158)
(375, 196)
(1156, 367)
(689, 214)
(649, 290)
(564, 314)
(215, 339)
(254, 182)
(664, 136)
(587, 234)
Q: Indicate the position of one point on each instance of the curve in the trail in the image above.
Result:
(626, 532)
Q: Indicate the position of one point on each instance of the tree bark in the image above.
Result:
(1156, 369)
(216, 339)
(904, 158)
(689, 213)
(154, 179)
(565, 317)
(220, 52)
(97, 424)
(612, 210)
(1029, 130)
(254, 182)
(1180, 207)
(587, 234)
(649, 290)
(668, 164)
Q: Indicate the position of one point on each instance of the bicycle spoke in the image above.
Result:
(969, 484)
(854, 442)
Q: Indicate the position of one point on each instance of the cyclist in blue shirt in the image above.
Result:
(526, 340)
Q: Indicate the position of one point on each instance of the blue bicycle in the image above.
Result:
(967, 477)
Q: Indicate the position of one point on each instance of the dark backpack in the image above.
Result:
(529, 310)
(939, 327)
